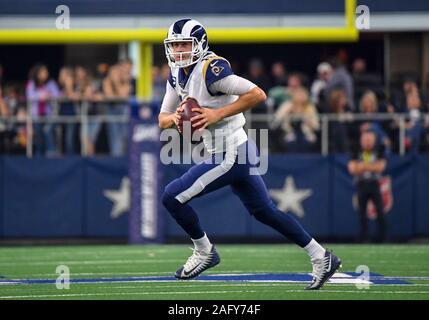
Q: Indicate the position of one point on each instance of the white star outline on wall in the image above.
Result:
(120, 198)
(290, 198)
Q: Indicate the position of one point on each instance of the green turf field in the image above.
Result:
(103, 262)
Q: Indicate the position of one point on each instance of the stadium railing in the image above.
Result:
(325, 119)
(265, 120)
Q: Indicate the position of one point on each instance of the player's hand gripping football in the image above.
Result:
(177, 116)
(206, 117)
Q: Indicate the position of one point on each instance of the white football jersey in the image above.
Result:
(210, 69)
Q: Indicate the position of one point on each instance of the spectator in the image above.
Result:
(399, 99)
(4, 132)
(281, 94)
(300, 131)
(12, 99)
(165, 71)
(426, 93)
(369, 105)
(324, 73)
(40, 91)
(426, 84)
(17, 132)
(126, 68)
(89, 93)
(4, 109)
(294, 82)
(159, 79)
(1, 77)
(158, 85)
(257, 74)
(414, 127)
(358, 67)
(20, 130)
(338, 128)
(426, 139)
(67, 106)
(117, 87)
(341, 79)
(102, 70)
(278, 74)
(366, 167)
(426, 107)
(83, 82)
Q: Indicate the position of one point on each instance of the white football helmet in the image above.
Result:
(186, 30)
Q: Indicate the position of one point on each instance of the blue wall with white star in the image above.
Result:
(88, 198)
(57, 198)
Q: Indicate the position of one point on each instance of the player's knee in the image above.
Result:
(169, 201)
(259, 214)
(262, 211)
(173, 206)
(168, 198)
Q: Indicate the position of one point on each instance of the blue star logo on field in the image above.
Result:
(347, 278)
(120, 198)
(290, 198)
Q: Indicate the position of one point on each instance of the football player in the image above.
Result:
(199, 73)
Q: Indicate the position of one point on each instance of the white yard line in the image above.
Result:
(117, 274)
(119, 293)
(86, 262)
(284, 284)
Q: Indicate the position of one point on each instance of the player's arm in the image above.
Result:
(249, 96)
(359, 167)
(4, 109)
(355, 167)
(168, 120)
(170, 110)
(376, 167)
(246, 101)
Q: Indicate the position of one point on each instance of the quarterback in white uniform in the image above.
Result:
(224, 96)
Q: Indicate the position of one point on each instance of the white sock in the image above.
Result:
(202, 244)
(315, 250)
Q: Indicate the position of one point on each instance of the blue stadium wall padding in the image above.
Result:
(308, 174)
(100, 176)
(422, 196)
(61, 197)
(1, 198)
(67, 198)
(400, 218)
(42, 197)
(344, 222)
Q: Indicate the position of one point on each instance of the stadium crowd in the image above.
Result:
(296, 103)
(351, 98)
(105, 92)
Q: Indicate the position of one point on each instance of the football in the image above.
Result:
(188, 105)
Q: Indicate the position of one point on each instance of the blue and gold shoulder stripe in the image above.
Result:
(216, 68)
